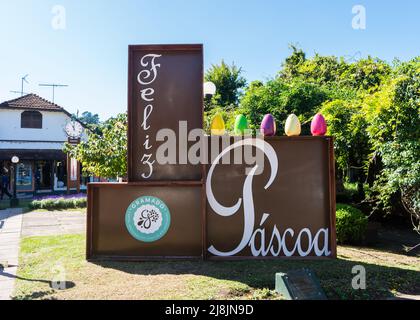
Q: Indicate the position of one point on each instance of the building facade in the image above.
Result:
(33, 129)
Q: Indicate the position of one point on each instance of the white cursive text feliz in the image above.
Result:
(145, 78)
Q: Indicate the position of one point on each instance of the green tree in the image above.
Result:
(229, 83)
(291, 65)
(347, 124)
(322, 69)
(89, 118)
(104, 154)
(366, 74)
(393, 115)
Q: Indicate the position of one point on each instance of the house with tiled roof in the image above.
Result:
(33, 129)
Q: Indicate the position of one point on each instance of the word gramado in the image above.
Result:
(318, 243)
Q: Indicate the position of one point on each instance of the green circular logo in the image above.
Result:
(147, 219)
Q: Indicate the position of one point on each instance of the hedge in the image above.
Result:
(58, 203)
(351, 224)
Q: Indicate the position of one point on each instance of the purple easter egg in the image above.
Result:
(268, 126)
(318, 125)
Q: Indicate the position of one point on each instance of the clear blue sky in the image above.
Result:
(90, 55)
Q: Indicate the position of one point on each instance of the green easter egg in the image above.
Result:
(241, 124)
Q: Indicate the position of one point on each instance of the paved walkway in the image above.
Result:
(53, 223)
(10, 230)
(14, 224)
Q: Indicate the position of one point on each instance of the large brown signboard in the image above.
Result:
(252, 198)
(285, 210)
(165, 87)
(115, 211)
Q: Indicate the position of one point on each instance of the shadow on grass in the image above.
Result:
(38, 294)
(335, 275)
(396, 239)
(35, 295)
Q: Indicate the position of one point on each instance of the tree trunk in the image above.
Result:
(339, 181)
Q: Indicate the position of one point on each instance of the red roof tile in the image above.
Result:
(31, 101)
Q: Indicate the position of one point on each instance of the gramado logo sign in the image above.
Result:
(277, 243)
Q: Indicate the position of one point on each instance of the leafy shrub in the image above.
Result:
(80, 202)
(264, 294)
(351, 224)
(58, 203)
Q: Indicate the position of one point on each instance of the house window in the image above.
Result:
(31, 120)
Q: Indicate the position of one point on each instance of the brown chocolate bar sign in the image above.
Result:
(282, 211)
(165, 87)
(286, 210)
(219, 197)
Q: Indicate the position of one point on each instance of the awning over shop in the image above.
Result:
(7, 154)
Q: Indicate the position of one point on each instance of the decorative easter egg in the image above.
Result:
(318, 125)
(268, 126)
(241, 124)
(292, 126)
(217, 127)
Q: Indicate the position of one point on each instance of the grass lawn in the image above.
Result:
(42, 257)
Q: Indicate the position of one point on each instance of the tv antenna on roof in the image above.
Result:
(23, 79)
(53, 86)
(20, 92)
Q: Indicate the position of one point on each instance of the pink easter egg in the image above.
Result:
(318, 125)
(268, 126)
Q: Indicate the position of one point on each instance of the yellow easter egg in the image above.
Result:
(217, 127)
(292, 126)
